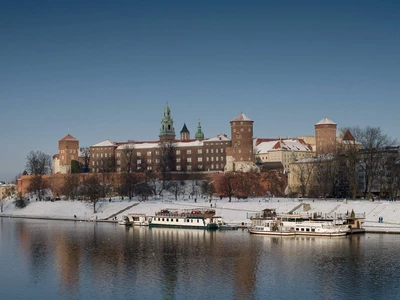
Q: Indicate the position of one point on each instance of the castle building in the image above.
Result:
(68, 150)
(240, 154)
(325, 136)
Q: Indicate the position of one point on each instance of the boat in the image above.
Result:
(224, 226)
(272, 227)
(198, 218)
(135, 220)
(271, 223)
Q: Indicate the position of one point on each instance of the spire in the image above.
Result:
(185, 134)
(199, 134)
(167, 130)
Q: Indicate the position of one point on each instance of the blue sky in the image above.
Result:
(104, 69)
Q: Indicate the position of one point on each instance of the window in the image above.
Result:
(189, 151)
(216, 159)
(189, 159)
(222, 158)
(101, 155)
(92, 163)
(149, 161)
(216, 150)
(157, 161)
(157, 152)
(212, 150)
(207, 159)
(118, 154)
(139, 161)
(178, 167)
(206, 150)
(138, 154)
(212, 158)
(199, 151)
(178, 152)
(178, 160)
(200, 167)
(199, 159)
(148, 153)
(118, 162)
(189, 167)
(105, 155)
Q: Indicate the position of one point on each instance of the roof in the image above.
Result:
(326, 121)
(106, 143)
(68, 137)
(242, 117)
(184, 129)
(288, 145)
(348, 136)
(218, 138)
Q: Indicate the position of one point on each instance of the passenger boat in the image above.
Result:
(198, 218)
(224, 226)
(272, 227)
(135, 220)
(270, 223)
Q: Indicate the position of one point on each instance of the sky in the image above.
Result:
(105, 69)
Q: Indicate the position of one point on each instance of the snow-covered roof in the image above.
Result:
(242, 117)
(288, 145)
(326, 121)
(195, 143)
(106, 143)
(218, 138)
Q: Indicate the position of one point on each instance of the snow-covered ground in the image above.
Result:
(235, 212)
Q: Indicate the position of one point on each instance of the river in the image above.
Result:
(42, 259)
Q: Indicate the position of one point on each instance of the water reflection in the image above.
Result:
(81, 260)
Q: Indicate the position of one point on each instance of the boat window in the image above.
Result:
(302, 229)
(313, 229)
(297, 229)
(197, 221)
(167, 220)
(307, 229)
(177, 220)
(191, 221)
(163, 219)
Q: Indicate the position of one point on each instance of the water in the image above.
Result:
(80, 260)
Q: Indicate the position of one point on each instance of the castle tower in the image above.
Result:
(325, 136)
(167, 131)
(68, 150)
(199, 134)
(185, 134)
(240, 154)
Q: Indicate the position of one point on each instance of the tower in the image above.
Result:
(240, 154)
(167, 131)
(325, 136)
(185, 134)
(68, 150)
(199, 134)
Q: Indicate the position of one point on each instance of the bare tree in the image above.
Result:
(304, 171)
(37, 186)
(373, 142)
(208, 189)
(167, 159)
(92, 190)
(85, 153)
(70, 187)
(38, 163)
(247, 184)
(176, 188)
(227, 185)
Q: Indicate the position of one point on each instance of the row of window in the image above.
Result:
(101, 155)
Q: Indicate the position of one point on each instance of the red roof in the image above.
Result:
(68, 137)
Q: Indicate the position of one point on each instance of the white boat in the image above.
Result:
(270, 223)
(135, 220)
(272, 227)
(198, 218)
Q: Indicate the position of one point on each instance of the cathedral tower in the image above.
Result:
(167, 131)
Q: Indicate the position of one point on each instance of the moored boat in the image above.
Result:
(272, 227)
(198, 218)
(135, 220)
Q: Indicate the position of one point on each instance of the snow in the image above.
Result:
(106, 143)
(235, 212)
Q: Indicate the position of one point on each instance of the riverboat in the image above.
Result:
(272, 227)
(197, 218)
(271, 223)
(135, 220)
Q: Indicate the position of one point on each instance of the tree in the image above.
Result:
(207, 188)
(37, 186)
(38, 163)
(304, 171)
(75, 167)
(167, 159)
(20, 202)
(128, 183)
(176, 188)
(70, 187)
(227, 185)
(373, 143)
(246, 183)
(85, 153)
(92, 190)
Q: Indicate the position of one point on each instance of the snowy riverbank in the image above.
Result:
(235, 212)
